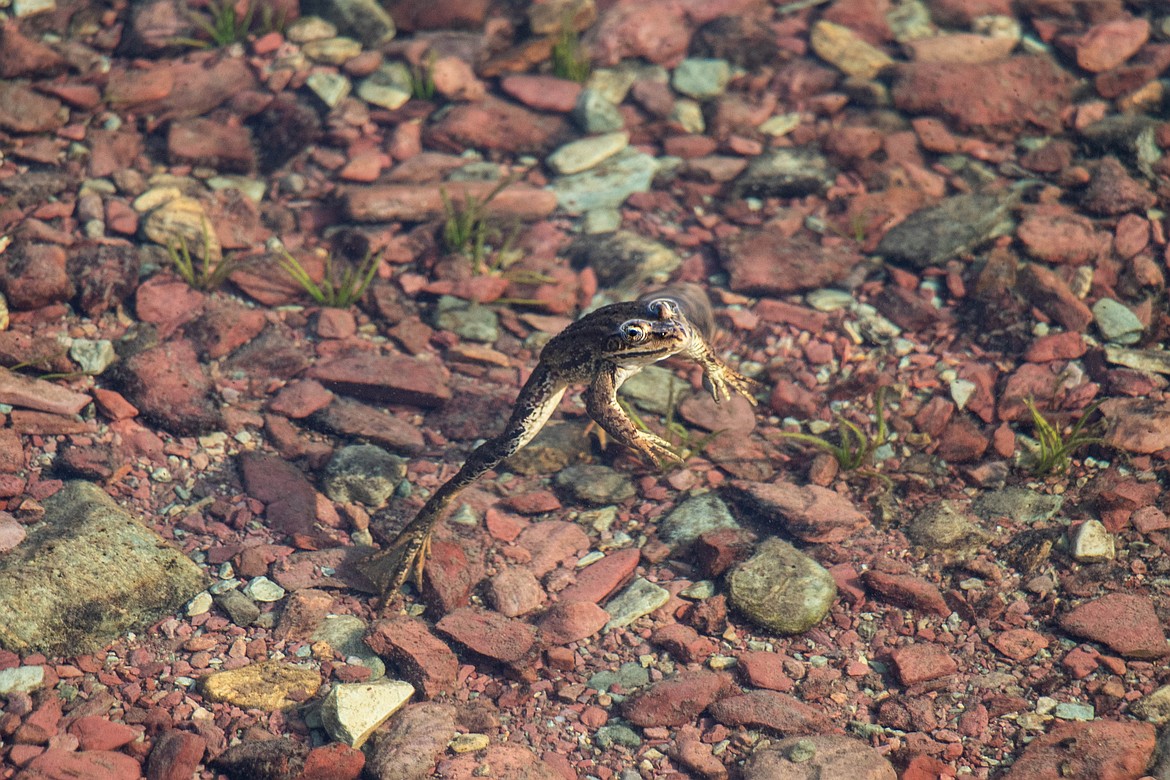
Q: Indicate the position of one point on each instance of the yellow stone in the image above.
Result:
(271, 685)
(845, 50)
(469, 743)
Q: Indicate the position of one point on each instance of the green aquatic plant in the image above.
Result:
(201, 273)
(854, 447)
(467, 231)
(340, 288)
(569, 60)
(1054, 450)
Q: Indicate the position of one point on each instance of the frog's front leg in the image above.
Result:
(601, 403)
(718, 377)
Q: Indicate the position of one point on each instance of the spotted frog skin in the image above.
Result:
(601, 350)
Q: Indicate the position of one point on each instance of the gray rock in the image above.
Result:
(364, 20)
(958, 224)
(1154, 708)
(821, 756)
(351, 711)
(1117, 322)
(363, 473)
(617, 734)
(585, 153)
(472, 321)
(88, 573)
(791, 172)
(629, 676)
(1092, 543)
(641, 598)
(695, 516)
(623, 259)
(595, 484)
(595, 114)
(1020, 504)
(782, 589)
(558, 445)
(21, 679)
(345, 634)
(654, 388)
(607, 185)
(940, 526)
(241, 609)
(263, 590)
(331, 88)
(389, 86)
(92, 356)
(701, 79)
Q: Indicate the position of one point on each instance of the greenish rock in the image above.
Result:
(629, 676)
(616, 734)
(346, 635)
(623, 259)
(93, 357)
(332, 51)
(640, 598)
(365, 20)
(557, 446)
(1117, 322)
(595, 114)
(940, 526)
(701, 78)
(253, 189)
(654, 389)
(87, 573)
(688, 115)
(241, 609)
(21, 679)
(1072, 710)
(363, 473)
(781, 589)
(790, 172)
(601, 221)
(330, 88)
(263, 590)
(595, 484)
(351, 711)
(472, 321)
(1021, 504)
(958, 224)
(310, 28)
(695, 517)
(586, 153)
(605, 186)
(388, 87)
(1154, 708)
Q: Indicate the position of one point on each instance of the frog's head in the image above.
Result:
(642, 340)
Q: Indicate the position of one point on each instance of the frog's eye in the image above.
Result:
(663, 309)
(634, 331)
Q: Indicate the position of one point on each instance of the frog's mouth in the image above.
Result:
(667, 337)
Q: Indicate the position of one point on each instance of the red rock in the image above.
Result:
(289, 497)
(1111, 43)
(200, 87)
(41, 724)
(1056, 346)
(225, 146)
(966, 48)
(333, 762)
(924, 767)
(506, 760)
(921, 662)
(654, 30)
(684, 643)
(601, 578)
(492, 124)
(1137, 425)
(175, 756)
(1125, 622)
(717, 551)
(767, 262)
(225, 326)
(336, 323)
(696, 755)
(437, 14)
(677, 700)
(551, 543)
(489, 633)
(907, 591)
(1019, 644)
(42, 395)
(421, 202)
(413, 741)
(834, 756)
(22, 56)
(25, 111)
(350, 418)
(300, 399)
(535, 502)
(12, 532)
(304, 611)
(454, 79)
(778, 712)
(810, 513)
(998, 98)
(1149, 519)
(1100, 749)
(423, 660)
(364, 167)
(1051, 294)
(386, 378)
(514, 592)
(763, 669)
(34, 275)
(168, 302)
(543, 93)
(95, 733)
(59, 764)
(1112, 191)
(448, 577)
(1080, 663)
(963, 441)
(1056, 234)
(571, 621)
(1131, 235)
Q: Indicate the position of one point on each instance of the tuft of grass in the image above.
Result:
(200, 272)
(466, 229)
(340, 288)
(854, 446)
(1055, 450)
(226, 26)
(422, 78)
(569, 60)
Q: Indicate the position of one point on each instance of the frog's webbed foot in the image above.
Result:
(720, 379)
(404, 559)
(656, 449)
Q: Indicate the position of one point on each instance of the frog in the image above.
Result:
(601, 351)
